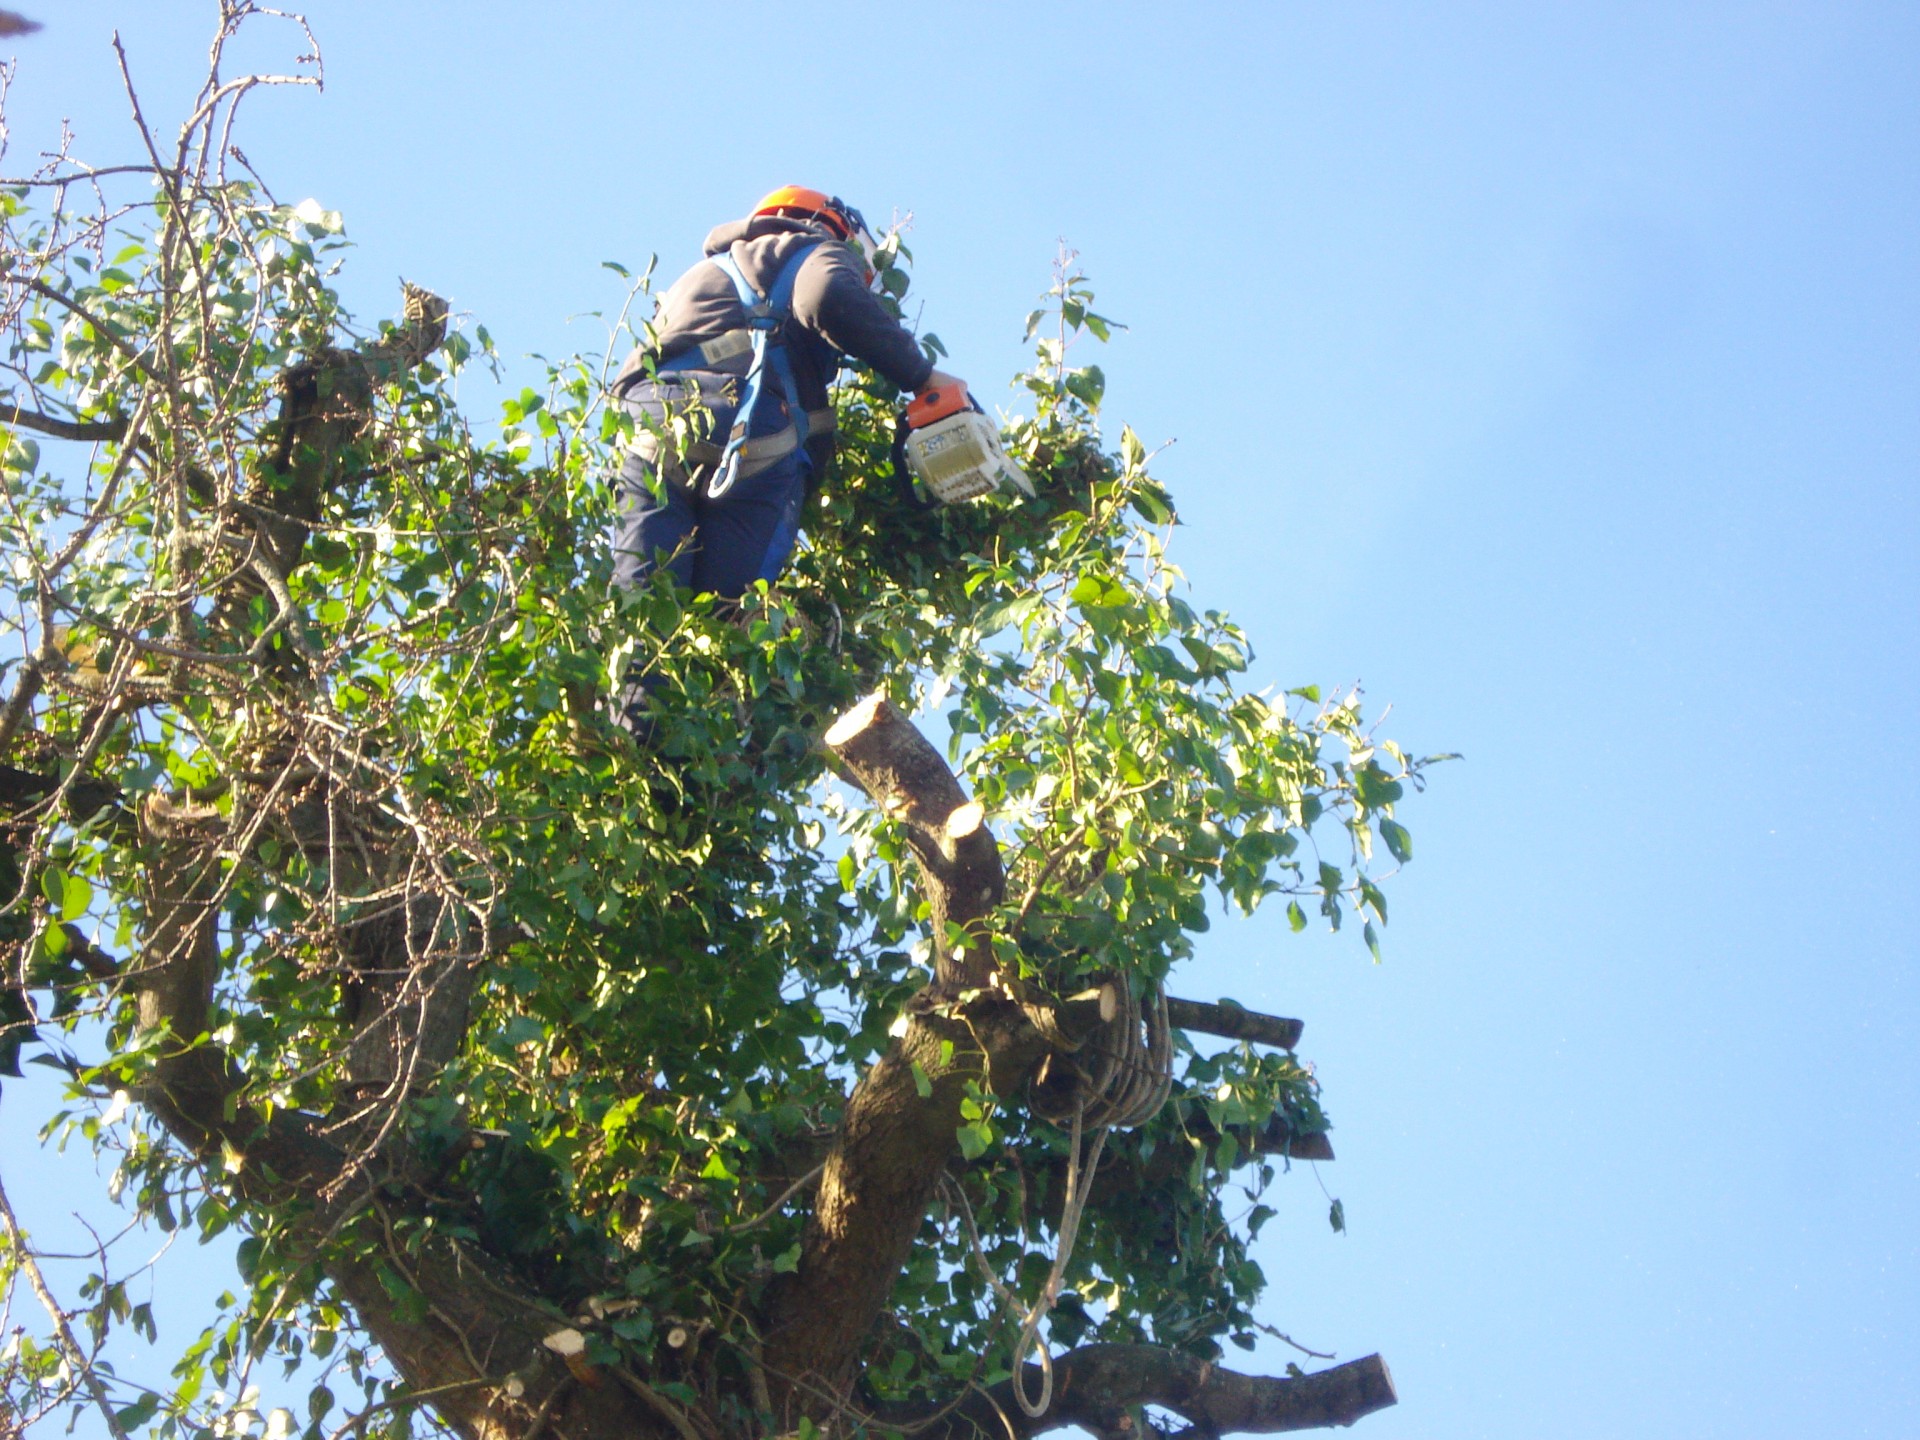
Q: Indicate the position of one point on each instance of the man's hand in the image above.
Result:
(938, 379)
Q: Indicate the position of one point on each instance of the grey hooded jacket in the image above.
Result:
(834, 313)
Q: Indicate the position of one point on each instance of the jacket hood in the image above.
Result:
(722, 237)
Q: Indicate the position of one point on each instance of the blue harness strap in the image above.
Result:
(765, 315)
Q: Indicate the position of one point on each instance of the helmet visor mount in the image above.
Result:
(859, 239)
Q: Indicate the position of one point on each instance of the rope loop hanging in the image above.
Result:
(1117, 1078)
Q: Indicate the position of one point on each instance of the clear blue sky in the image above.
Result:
(1552, 370)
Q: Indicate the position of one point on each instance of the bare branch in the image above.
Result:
(63, 1333)
(111, 332)
(1234, 1022)
(85, 431)
(895, 1138)
(1097, 1383)
(880, 751)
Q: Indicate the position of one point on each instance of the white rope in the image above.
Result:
(1127, 1085)
(1079, 1186)
(1072, 1206)
(1124, 1071)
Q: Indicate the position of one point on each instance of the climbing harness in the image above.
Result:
(760, 338)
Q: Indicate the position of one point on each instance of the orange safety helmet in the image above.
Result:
(830, 210)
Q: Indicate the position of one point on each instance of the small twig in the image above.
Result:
(1288, 1339)
(63, 1333)
(785, 1195)
(659, 1404)
(539, 1422)
(358, 1421)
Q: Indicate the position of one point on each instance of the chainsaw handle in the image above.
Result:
(941, 396)
(902, 476)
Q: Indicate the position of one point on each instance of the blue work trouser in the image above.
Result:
(722, 545)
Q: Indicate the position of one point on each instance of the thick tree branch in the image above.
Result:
(478, 1327)
(1095, 1385)
(86, 431)
(899, 1129)
(325, 406)
(882, 752)
(85, 797)
(894, 1141)
(1234, 1022)
(192, 1079)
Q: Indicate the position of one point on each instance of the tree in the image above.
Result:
(786, 1073)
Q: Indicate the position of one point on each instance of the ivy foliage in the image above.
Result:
(685, 950)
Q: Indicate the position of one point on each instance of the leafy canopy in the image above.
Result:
(681, 954)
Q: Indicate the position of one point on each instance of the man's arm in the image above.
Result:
(831, 298)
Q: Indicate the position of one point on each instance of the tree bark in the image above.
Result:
(1095, 1386)
(893, 1141)
(1234, 1022)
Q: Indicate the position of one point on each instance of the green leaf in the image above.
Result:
(1009, 612)
(1296, 917)
(135, 1416)
(1152, 504)
(1375, 788)
(76, 896)
(1087, 591)
(974, 1139)
(1399, 842)
(1088, 385)
(1337, 1217)
(522, 1030)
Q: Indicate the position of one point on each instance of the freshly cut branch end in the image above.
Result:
(966, 820)
(859, 718)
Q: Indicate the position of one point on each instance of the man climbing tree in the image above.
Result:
(840, 1090)
(729, 390)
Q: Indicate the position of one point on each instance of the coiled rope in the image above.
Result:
(1120, 1075)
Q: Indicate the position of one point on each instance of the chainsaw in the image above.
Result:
(947, 443)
